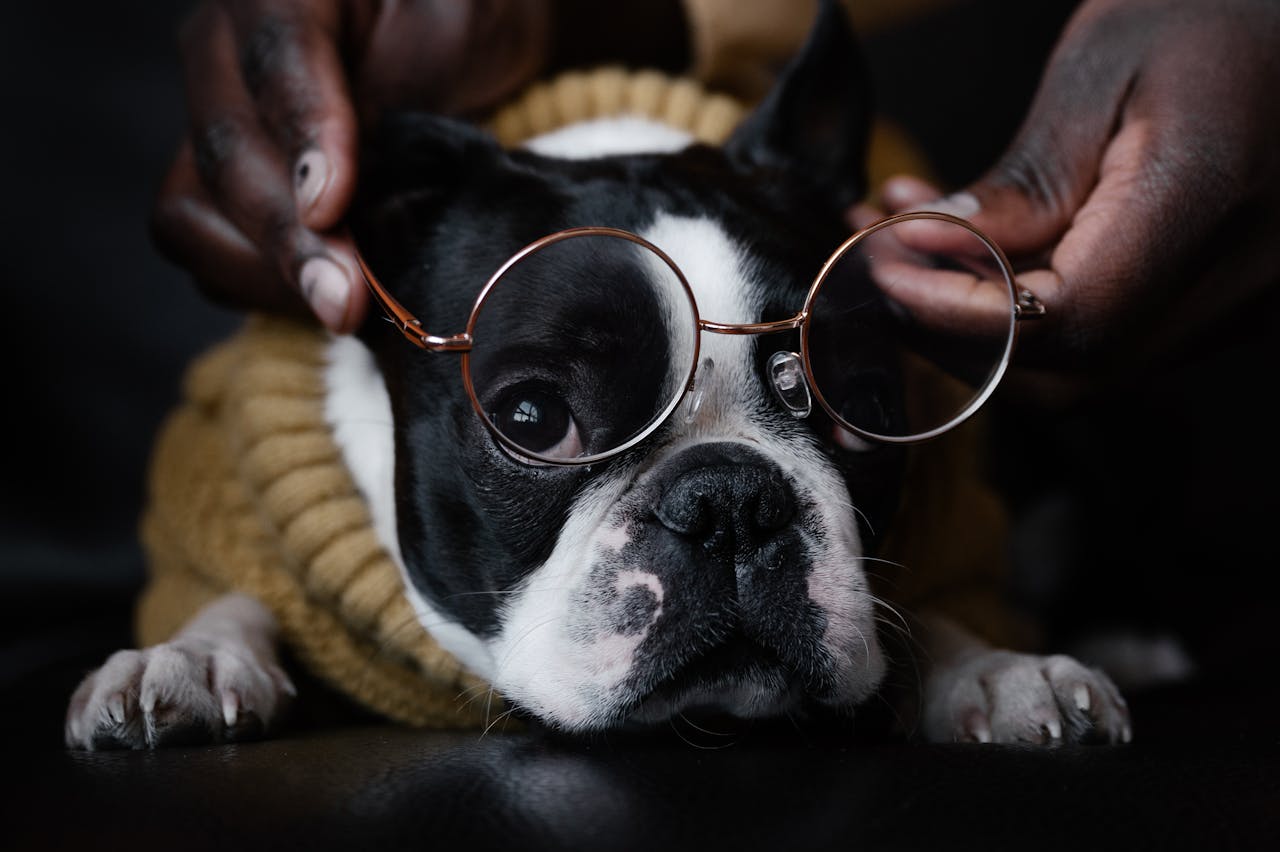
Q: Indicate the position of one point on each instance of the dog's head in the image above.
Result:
(716, 564)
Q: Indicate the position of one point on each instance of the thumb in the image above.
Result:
(1027, 200)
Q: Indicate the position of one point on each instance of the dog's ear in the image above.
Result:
(814, 124)
(412, 165)
(410, 150)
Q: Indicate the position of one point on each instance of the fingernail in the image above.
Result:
(326, 290)
(962, 205)
(899, 191)
(310, 175)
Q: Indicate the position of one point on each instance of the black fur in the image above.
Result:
(441, 207)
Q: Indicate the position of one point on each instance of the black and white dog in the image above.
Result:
(716, 566)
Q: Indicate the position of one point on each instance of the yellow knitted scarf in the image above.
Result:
(248, 491)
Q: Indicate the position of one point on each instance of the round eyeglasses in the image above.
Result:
(586, 341)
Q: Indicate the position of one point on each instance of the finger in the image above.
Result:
(947, 277)
(962, 304)
(861, 216)
(1121, 255)
(342, 250)
(247, 176)
(188, 229)
(906, 192)
(289, 61)
(1118, 264)
(1027, 200)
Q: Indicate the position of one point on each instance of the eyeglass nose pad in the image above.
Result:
(786, 377)
(693, 403)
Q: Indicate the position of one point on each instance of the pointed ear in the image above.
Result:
(412, 149)
(412, 166)
(815, 122)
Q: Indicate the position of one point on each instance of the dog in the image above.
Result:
(718, 565)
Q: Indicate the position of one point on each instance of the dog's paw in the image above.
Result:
(1004, 697)
(182, 692)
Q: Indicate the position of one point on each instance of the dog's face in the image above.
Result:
(719, 563)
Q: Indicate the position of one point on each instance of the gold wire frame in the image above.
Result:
(1023, 305)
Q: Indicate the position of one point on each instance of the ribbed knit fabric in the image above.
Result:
(249, 492)
(578, 96)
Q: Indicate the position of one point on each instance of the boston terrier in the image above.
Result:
(718, 565)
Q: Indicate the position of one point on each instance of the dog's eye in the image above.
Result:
(538, 421)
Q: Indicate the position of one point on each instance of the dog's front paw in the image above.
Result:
(1004, 697)
(182, 692)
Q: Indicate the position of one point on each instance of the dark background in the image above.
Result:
(1152, 509)
(102, 326)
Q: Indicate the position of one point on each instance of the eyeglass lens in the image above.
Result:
(574, 356)
(573, 353)
(874, 366)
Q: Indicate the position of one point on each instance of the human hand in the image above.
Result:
(252, 202)
(1140, 201)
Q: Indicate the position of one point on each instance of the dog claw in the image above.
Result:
(1023, 698)
(164, 696)
(230, 708)
(115, 708)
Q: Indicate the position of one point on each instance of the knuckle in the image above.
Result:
(1027, 172)
(266, 50)
(292, 243)
(216, 144)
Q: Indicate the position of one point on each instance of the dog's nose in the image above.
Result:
(726, 497)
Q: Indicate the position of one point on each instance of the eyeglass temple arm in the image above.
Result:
(409, 325)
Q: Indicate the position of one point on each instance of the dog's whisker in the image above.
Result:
(471, 694)
(502, 592)
(863, 515)
(519, 640)
(881, 603)
(385, 646)
(671, 722)
(701, 729)
(488, 710)
(896, 712)
(881, 560)
(501, 717)
(866, 647)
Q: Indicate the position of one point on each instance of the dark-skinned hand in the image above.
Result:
(252, 203)
(1140, 201)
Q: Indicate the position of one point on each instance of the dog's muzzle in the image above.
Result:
(726, 540)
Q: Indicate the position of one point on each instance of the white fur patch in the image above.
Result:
(358, 410)
(606, 137)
